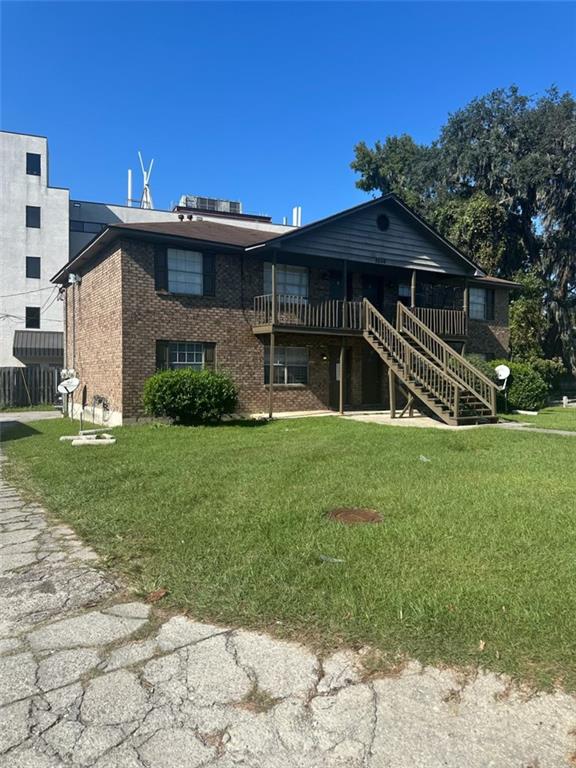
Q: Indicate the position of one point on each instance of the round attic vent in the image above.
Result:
(382, 222)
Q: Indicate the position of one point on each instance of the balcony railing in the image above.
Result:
(443, 322)
(295, 311)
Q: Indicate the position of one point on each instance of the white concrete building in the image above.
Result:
(41, 229)
(33, 246)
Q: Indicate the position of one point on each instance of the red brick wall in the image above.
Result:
(97, 353)
(491, 338)
(149, 316)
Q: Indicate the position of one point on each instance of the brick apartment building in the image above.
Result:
(338, 313)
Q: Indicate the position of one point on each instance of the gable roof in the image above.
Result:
(389, 199)
(201, 233)
(231, 237)
(204, 231)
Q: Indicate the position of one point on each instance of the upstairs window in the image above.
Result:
(290, 280)
(33, 216)
(290, 365)
(185, 272)
(32, 317)
(482, 304)
(33, 164)
(33, 267)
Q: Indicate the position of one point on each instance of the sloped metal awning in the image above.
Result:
(47, 345)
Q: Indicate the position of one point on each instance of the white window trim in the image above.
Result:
(176, 365)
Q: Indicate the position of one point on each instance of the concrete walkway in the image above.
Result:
(91, 677)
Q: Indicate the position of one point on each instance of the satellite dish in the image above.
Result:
(502, 372)
(68, 386)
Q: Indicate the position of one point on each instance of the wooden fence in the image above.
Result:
(28, 386)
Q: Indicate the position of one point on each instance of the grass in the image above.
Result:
(25, 408)
(473, 564)
(548, 418)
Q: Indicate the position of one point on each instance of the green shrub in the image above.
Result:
(526, 389)
(484, 366)
(550, 370)
(189, 396)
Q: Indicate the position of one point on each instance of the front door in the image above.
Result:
(371, 378)
(372, 289)
(334, 364)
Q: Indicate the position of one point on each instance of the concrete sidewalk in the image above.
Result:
(91, 677)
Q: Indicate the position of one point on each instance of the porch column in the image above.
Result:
(392, 392)
(271, 376)
(273, 313)
(341, 382)
(345, 294)
(413, 289)
(466, 296)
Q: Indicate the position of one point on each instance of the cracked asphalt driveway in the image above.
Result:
(88, 679)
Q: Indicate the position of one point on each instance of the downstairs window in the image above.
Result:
(290, 365)
(172, 355)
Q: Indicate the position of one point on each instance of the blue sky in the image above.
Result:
(264, 101)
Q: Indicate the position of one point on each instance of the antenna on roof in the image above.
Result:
(146, 200)
(129, 200)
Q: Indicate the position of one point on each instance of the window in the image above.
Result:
(33, 267)
(32, 164)
(184, 354)
(33, 216)
(92, 227)
(32, 317)
(185, 272)
(481, 304)
(290, 365)
(290, 281)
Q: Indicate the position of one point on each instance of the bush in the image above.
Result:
(526, 389)
(484, 366)
(550, 370)
(189, 396)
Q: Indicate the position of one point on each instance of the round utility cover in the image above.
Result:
(68, 386)
(502, 371)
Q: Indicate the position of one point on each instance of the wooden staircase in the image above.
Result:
(437, 376)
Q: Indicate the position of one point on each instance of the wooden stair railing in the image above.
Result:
(424, 378)
(447, 358)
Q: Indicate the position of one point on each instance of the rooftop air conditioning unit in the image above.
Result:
(212, 204)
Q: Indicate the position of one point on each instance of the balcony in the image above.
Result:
(295, 314)
(447, 323)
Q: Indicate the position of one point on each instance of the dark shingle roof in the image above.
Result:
(205, 231)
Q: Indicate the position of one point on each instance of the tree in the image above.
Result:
(528, 321)
(500, 181)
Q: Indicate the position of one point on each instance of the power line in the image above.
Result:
(23, 293)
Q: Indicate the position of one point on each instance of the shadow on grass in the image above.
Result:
(15, 430)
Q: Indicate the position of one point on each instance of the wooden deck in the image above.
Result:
(337, 317)
(297, 315)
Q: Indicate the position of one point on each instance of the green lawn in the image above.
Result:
(548, 418)
(25, 408)
(477, 547)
